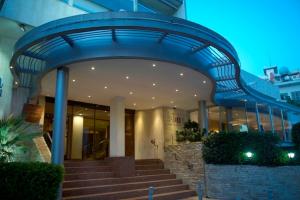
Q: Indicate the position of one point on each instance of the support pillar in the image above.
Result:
(246, 115)
(259, 128)
(282, 125)
(229, 119)
(271, 120)
(203, 116)
(117, 127)
(60, 113)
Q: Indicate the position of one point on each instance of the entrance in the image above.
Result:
(87, 130)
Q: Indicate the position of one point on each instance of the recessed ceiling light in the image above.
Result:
(171, 102)
(127, 77)
(80, 114)
(153, 84)
(93, 68)
(134, 104)
(105, 110)
(16, 82)
(105, 87)
(152, 107)
(153, 65)
(204, 81)
(176, 90)
(73, 80)
(89, 96)
(153, 98)
(181, 74)
(131, 93)
(195, 95)
(11, 67)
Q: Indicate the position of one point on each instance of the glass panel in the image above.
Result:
(213, 119)
(239, 123)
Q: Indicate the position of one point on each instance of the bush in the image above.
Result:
(32, 181)
(190, 132)
(230, 148)
(296, 134)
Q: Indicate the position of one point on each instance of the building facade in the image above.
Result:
(119, 79)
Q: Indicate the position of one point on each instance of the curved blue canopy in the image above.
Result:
(131, 35)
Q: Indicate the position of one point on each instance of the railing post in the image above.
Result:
(199, 191)
(150, 194)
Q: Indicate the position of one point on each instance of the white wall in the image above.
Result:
(194, 116)
(158, 124)
(149, 126)
(6, 49)
(76, 152)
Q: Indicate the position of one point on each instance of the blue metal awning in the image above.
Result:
(130, 35)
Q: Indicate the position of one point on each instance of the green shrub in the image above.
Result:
(230, 148)
(296, 134)
(32, 181)
(190, 132)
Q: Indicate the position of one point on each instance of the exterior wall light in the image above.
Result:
(291, 155)
(249, 154)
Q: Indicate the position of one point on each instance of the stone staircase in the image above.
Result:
(89, 180)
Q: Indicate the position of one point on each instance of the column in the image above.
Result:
(117, 127)
(202, 116)
(246, 115)
(60, 113)
(271, 120)
(229, 119)
(282, 125)
(77, 136)
(258, 119)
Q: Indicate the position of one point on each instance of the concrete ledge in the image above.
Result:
(252, 182)
(122, 166)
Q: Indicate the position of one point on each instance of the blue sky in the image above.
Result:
(264, 32)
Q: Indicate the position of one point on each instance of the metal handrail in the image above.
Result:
(177, 155)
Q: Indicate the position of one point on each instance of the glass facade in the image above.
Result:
(92, 140)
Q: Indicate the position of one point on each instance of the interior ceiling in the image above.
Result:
(133, 79)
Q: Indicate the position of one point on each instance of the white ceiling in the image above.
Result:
(112, 73)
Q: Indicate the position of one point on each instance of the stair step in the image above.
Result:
(109, 181)
(70, 170)
(118, 187)
(152, 172)
(129, 193)
(87, 163)
(169, 196)
(150, 166)
(148, 161)
(83, 176)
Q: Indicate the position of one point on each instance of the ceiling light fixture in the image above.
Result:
(105, 87)
(176, 90)
(134, 104)
(73, 80)
(153, 84)
(153, 65)
(93, 68)
(131, 93)
(171, 102)
(16, 83)
(204, 81)
(127, 77)
(11, 67)
(153, 98)
(181, 74)
(195, 95)
(89, 96)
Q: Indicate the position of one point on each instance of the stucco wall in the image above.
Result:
(149, 126)
(6, 49)
(252, 182)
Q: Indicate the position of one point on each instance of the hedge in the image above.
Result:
(230, 148)
(32, 181)
(296, 134)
